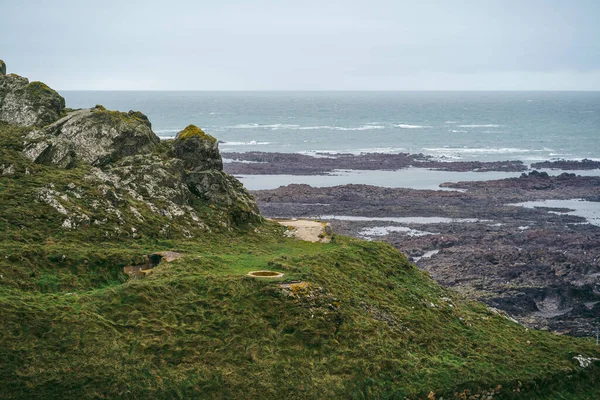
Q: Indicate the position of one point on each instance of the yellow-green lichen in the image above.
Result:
(191, 131)
(39, 88)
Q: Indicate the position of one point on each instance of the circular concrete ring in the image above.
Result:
(265, 274)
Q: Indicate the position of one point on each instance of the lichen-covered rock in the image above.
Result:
(220, 188)
(27, 104)
(205, 178)
(198, 150)
(95, 136)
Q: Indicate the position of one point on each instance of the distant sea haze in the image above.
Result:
(485, 126)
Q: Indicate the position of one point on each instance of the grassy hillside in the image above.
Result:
(360, 322)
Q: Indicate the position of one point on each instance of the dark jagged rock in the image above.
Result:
(95, 136)
(198, 150)
(263, 163)
(584, 164)
(204, 174)
(27, 104)
(218, 187)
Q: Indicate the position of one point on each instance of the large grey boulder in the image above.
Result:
(27, 104)
(198, 150)
(94, 136)
(205, 178)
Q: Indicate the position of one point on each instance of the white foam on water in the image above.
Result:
(480, 150)
(265, 126)
(366, 127)
(457, 131)
(408, 126)
(167, 133)
(249, 143)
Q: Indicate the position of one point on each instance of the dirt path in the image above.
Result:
(311, 231)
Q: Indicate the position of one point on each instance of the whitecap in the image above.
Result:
(408, 126)
(479, 150)
(457, 131)
(249, 143)
(341, 128)
(261, 126)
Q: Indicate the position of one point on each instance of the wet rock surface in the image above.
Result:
(539, 264)
(262, 163)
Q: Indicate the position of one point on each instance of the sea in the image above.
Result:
(451, 126)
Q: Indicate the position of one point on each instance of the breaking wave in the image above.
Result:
(249, 143)
(408, 126)
(481, 150)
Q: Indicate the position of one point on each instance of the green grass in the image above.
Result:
(368, 325)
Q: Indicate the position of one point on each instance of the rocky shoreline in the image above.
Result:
(263, 163)
(540, 264)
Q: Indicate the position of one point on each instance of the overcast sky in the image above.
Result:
(304, 44)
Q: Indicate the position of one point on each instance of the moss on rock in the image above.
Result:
(191, 131)
(28, 104)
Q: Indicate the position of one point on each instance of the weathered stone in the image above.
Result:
(198, 150)
(223, 189)
(27, 104)
(94, 136)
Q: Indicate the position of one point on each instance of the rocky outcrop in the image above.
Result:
(198, 150)
(584, 164)
(271, 163)
(94, 136)
(130, 164)
(218, 187)
(204, 174)
(27, 104)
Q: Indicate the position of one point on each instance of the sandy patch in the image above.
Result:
(311, 231)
